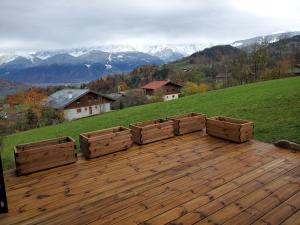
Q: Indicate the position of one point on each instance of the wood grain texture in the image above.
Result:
(230, 128)
(188, 123)
(33, 157)
(189, 179)
(151, 131)
(102, 142)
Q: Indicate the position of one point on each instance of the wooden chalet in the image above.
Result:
(169, 89)
(78, 103)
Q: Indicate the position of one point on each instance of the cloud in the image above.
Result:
(44, 24)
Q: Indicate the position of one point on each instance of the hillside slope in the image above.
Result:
(273, 105)
(10, 87)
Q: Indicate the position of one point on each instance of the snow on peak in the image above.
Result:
(108, 67)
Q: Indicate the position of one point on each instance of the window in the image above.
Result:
(85, 108)
(167, 96)
(79, 110)
(96, 107)
(78, 101)
(173, 96)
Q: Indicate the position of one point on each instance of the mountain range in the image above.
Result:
(85, 64)
(65, 68)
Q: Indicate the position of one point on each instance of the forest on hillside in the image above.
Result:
(218, 66)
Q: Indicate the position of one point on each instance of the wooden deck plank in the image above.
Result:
(224, 195)
(187, 179)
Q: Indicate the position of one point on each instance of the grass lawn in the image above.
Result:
(274, 106)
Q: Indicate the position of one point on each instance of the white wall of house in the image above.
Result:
(171, 97)
(80, 112)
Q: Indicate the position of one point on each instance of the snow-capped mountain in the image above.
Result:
(271, 38)
(66, 68)
(166, 52)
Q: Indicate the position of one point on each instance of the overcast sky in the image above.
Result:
(54, 24)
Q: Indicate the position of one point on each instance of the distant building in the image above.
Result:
(169, 89)
(223, 77)
(78, 103)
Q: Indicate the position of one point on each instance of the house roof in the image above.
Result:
(158, 84)
(116, 96)
(64, 97)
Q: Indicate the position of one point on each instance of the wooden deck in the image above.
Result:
(191, 179)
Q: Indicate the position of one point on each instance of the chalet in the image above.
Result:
(78, 103)
(169, 89)
(223, 77)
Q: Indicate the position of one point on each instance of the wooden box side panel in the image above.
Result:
(115, 146)
(136, 135)
(157, 133)
(119, 141)
(247, 132)
(149, 122)
(223, 130)
(84, 146)
(104, 141)
(104, 132)
(239, 132)
(150, 131)
(40, 160)
(231, 120)
(192, 124)
(41, 144)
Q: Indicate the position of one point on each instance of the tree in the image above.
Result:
(189, 88)
(31, 119)
(203, 87)
(122, 86)
(157, 96)
(51, 116)
(259, 57)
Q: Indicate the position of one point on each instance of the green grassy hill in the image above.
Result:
(274, 106)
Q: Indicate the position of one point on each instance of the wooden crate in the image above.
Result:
(102, 142)
(229, 128)
(150, 131)
(33, 157)
(188, 123)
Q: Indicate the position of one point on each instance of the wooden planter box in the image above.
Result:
(102, 142)
(33, 157)
(150, 131)
(229, 128)
(188, 123)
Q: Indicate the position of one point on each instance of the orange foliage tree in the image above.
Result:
(122, 86)
(30, 98)
(15, 99)
(203, 87)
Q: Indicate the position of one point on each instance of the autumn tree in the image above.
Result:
(31, 119)
(203, 88)
(189, 88)
(122, 86)
(15, 99)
